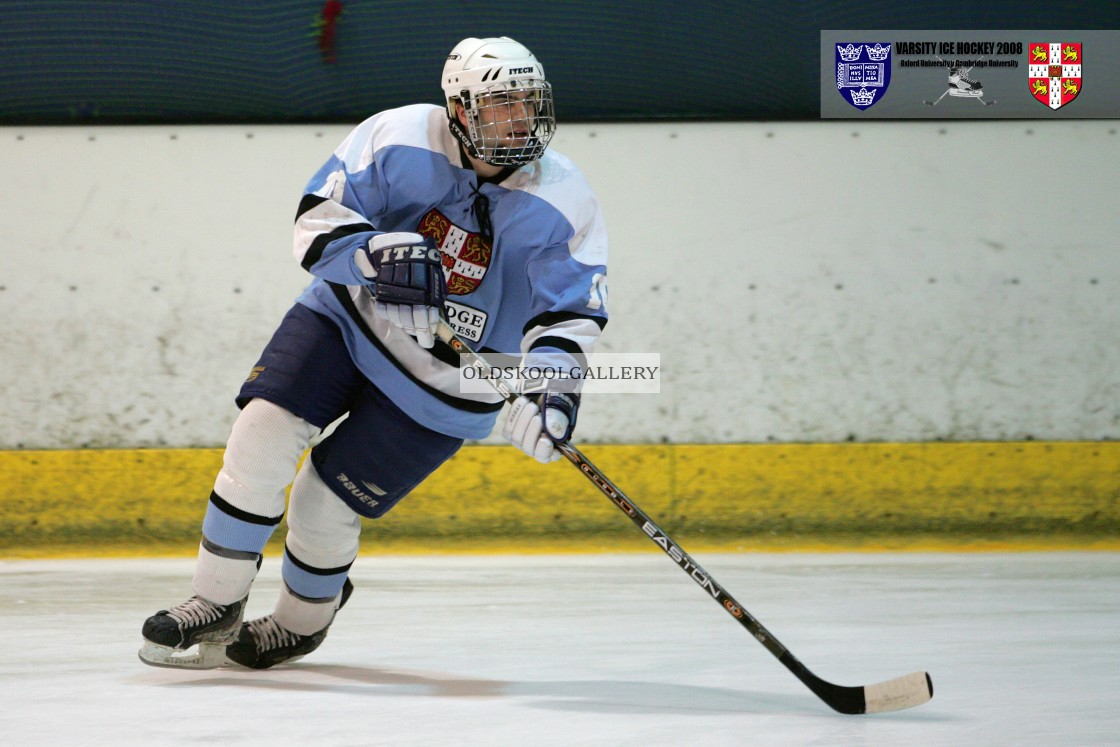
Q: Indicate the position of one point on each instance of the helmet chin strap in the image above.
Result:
(465, 143)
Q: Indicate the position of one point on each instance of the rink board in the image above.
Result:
(731, 497)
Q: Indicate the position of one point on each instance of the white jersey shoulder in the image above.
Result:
(416, 125)
(558, 181)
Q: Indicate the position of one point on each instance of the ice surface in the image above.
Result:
(1024, 649)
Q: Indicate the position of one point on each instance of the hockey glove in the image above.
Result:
(406, 279)
(536, 423)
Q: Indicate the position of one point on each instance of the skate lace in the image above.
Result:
(966, 77)
(268, 634)
(197, 611)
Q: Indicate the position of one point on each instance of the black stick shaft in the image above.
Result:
(846, 700)
(904, 692)
(658, 536)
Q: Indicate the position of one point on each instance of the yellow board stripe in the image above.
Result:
(730, 496)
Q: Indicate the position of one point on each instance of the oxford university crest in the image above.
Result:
(863, 72)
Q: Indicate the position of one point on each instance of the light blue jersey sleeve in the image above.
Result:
(568, 280)
(341, 205)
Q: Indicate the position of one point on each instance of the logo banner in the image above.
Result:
(975, 74)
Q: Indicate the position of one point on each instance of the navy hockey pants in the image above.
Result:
(377, 454)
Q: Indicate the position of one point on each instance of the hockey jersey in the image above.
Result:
(525, 259)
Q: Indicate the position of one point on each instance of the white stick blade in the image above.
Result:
(894, 695)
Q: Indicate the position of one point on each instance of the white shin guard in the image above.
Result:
(323, 532)
(261, 457)
(304, 616)
(260, 460)
(222, 576)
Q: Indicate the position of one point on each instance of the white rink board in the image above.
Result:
(610, 650)
(811, 281)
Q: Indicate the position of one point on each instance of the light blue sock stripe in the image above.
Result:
(233, 533)
(311, 585)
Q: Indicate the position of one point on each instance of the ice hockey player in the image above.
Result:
(422, 211)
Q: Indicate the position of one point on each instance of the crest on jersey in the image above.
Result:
(466, 255)
(863, 72)
(1054, 72)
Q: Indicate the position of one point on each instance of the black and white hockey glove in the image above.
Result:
(536, 423)
(406, 279)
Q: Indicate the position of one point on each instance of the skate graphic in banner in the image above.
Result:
(863, 72)
(962, 85)
(1054, 72)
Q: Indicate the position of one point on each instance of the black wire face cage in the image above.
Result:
(511, 123)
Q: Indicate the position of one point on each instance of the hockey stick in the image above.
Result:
(892, 695)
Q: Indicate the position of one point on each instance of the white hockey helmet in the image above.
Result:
(508, 102)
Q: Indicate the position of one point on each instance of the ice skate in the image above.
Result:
(170, 634)
(960, 84)
(263, 643)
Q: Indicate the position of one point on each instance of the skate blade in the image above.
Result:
(208, 656)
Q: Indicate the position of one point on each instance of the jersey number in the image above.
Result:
(598, 294)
